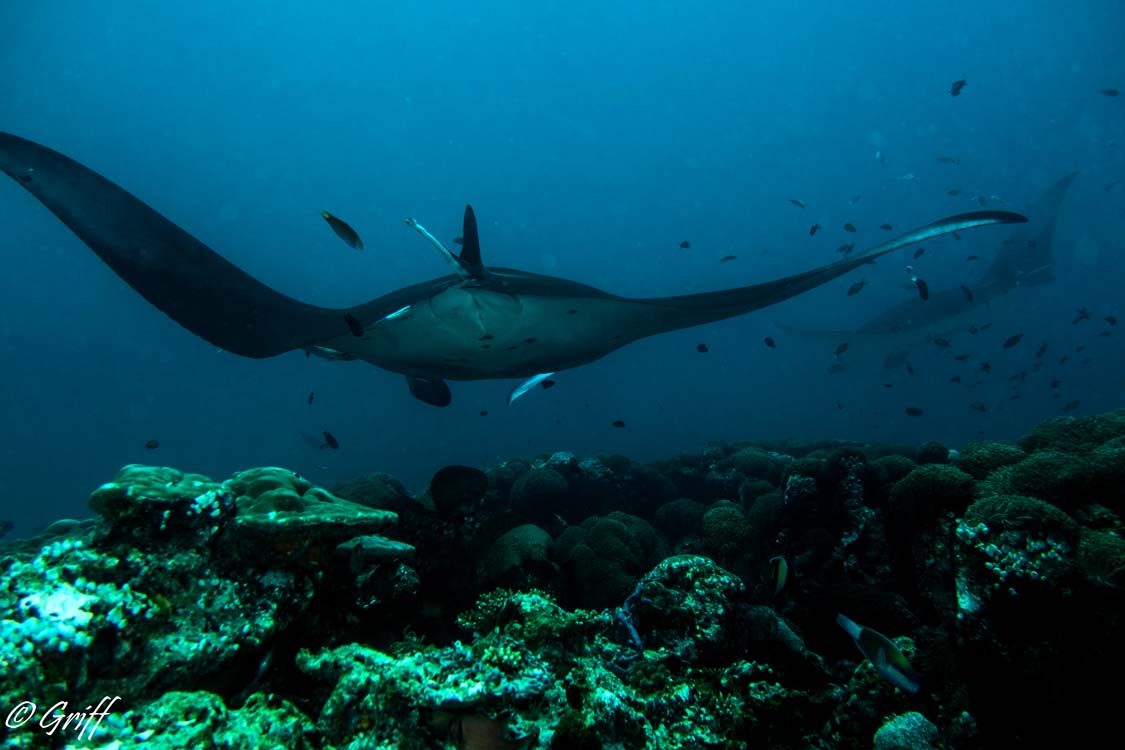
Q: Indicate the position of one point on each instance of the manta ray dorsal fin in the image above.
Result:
(467, 265)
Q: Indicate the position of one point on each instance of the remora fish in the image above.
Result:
(429, 332)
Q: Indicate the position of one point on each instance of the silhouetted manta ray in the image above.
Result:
(1025, 260)
(478, 323)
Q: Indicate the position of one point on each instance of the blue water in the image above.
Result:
(590, 140)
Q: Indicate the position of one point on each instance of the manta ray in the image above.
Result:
(480, 322)
(1025, 260)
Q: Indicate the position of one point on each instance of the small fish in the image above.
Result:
(1111, 320)
(330, 441)
(906, 177)
(354, 325)
(857, 287)
(782, 572)
(943, 343)
(619, 423)
(973, 258)
(948, 160)
(854, 200)
(887, 227)
(1105, 334)
(312, 395)
(1110, 92)
(968, 293)
(986, 326)
(986, 367)
(701, 348)
(458, 240)
(1111, 185)
(955, 89)
(923, 288)
(955, 379)
(978, 406)
(1080, 314)
(880, 157)
(814, 229)
(839, 406)
(1012, 340)
(974, 330)
(152, 445)
(957, 236)
(910, 369)
(770, 342)
(849, 227)
(548, 383)
(1063, 359)
(727, 258)
(841, 349)
(919, 252)
(888, 385)
(343, 231)
(846, 248)
(962, 357)
(1055, 384)
(797, 203)
(1071, 405)
(953, 191)
(914, 411)
(685, 245)
(484, 412)
(1041, 350)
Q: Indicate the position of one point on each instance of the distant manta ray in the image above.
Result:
(478, 323)
(1025, 260)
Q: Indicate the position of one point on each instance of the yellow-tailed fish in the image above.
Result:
(782, 573)
(343, 230)
(884, 655)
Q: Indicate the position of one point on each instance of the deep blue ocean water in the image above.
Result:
(591, 141)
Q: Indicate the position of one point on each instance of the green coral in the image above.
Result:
(981, 458)
(726, 531)
(539, 493)
(1059, 478)
(894, 466)
(373, 490)
(1101, 556)
(519, 554)
(756, 463)
(930, 490)
(932, 453)
(1075, 434)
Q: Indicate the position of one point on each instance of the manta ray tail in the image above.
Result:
(177, 273)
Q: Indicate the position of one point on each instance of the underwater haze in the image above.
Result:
(592, 139)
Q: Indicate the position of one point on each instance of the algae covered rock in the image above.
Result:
(932, 453)
(1075, 434)
(373, 490)
(1057, 477)
(605, 555)
(680, 518)
(157, 501)
(539, 494)
(930, 490)
(727, 533)
(755, 463)
(894, 466)
(519, 555)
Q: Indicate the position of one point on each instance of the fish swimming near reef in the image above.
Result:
(886, 657)
(1018, 265)
(429, 332)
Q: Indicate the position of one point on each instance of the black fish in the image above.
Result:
(701, 348)
(968, 293)
(685, 245)
(953, 191)
(727, 258)
(796, 203)
(1071, 405)
(1055, 383)
(974, 330)
(857, 287)
(1041, 350)
(910, 369)
(955, 89)
(887, 227)
(813, 229)
(1110, 92)
(849, 227)
(846, 248)
(458, 240)
(986, 326)
(1080, 314)
(1012, 340)
(986, 367)
(1111, 320)
(914, 411)
(343, 231)
(457, 489)
(312, 395)
(354, 325)
(839, 406)
(943, 343)
(978, 406)
(923, 289)
(948, 160)
(973, 258)
(484, 412)
(330, 441)
(770, 343)
(841, 349)
(919, 252)
(957, 236)
(548, 383)
(955, 379)
(888, 385)
(152, 445)
(619, 423)
(962, 357)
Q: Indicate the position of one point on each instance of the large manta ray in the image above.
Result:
(478, 323)
(1025, 260)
